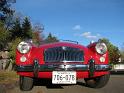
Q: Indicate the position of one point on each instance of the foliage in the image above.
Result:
(51, 39)
(122, 53)
(6, 12)
(12, 47)
(114, 53)
(5, 8)
(23, 31)
(26, 29)
(4, 35)
(16, 31)
(38, 36)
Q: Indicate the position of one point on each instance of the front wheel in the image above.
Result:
(26, 83)
(97, 82)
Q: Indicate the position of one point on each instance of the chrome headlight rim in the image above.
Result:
(101, 48)
(23, 47)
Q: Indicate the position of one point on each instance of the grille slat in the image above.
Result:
(61, 54)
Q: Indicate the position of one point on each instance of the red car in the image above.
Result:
(63, 63)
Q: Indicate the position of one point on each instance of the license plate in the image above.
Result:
(63, 77)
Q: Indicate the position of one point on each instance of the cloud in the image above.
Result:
(77, 27)
(89, 35)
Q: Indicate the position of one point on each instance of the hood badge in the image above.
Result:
(64, 48)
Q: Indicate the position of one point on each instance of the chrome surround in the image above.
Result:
(21, 48)
(100, 51)
(63, 54)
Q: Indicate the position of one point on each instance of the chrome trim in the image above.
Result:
(71, 61)
(102, 67)
(63, 67)
(73, 66)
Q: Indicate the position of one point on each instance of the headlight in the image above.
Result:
(101, 48)
(23, 47)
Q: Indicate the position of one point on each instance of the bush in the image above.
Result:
(12, 48)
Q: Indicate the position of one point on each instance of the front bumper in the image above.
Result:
(72, 67)
(36, 68)
(91, 69)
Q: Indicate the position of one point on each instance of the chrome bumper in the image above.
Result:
(36, 67)
(72, 67)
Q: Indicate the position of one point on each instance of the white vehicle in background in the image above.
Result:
(119, 68)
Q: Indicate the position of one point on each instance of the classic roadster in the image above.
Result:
(62, 63)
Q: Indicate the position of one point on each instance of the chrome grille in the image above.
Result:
(61, 54)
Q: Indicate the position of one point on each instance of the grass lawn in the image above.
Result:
(7, 77)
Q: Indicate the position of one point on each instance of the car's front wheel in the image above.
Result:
(26, 83)
(97, 82)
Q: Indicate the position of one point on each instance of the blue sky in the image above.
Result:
(78, 20)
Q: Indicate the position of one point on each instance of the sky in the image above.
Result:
(77, 20)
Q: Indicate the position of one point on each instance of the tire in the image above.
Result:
(97, 82)
(26, 83)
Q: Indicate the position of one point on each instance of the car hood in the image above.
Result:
(58, 44)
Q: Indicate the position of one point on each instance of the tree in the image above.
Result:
(51, 39)
(27, 29)
(122, 56)
(122, 53)
(23, 31)
(6, 12)
(4, 35)
(114, 53)
(16, 30)
(38, 36)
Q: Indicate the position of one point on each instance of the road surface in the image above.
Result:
(115, 85)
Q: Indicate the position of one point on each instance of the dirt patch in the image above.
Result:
(8, 80)
(6, 87)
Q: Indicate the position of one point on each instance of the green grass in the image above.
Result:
(8, 77)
